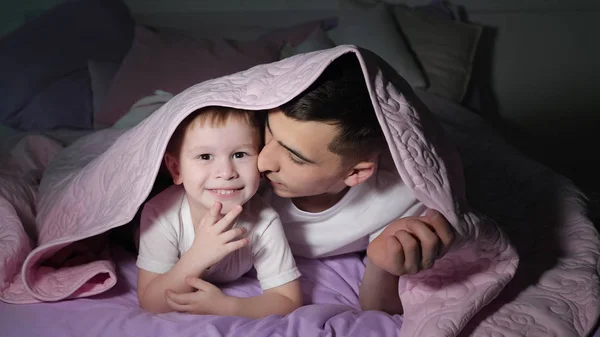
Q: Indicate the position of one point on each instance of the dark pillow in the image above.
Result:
(45, 82)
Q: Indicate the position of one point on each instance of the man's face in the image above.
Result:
(296, 159)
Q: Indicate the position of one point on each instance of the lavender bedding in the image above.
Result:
(526, 262)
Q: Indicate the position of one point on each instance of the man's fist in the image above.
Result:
(409, 245)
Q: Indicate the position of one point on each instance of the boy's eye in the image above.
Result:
(239, 155)
(204, 156)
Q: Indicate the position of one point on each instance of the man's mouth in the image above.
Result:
(271, 180)
(274, 183)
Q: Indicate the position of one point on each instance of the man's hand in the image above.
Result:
(215, 238)
(411, 244)
(207, 299)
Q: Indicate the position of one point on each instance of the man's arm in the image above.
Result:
(375, 289)
(406, 246)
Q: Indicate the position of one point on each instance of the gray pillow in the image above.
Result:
(101, 76)
(45, 82)
(445, 48)
(373, 27)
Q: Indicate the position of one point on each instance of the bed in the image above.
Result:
(108, 82)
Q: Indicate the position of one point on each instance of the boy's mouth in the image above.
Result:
(225, 192)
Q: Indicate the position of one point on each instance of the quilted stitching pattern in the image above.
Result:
(99, 183)
(20, 172)
(533, 203)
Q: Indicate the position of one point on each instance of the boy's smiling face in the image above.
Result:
(218, 164)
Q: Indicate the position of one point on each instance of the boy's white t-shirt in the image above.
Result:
(351, 224)
(166, 232)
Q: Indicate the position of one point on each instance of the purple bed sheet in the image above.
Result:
(329, 286)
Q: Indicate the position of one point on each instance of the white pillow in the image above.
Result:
(374, 28)
(142, 109)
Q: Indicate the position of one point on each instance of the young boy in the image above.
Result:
(186, 231)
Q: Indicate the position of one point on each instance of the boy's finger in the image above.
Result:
(171, 302)
(176, 298)
(196, 283)
(233, 234)
(237, 244)
(212, 215)
(229, 219)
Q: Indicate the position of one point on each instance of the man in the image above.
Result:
(323, 159)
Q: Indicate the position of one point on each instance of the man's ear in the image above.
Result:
(172, 164)
(360, 172)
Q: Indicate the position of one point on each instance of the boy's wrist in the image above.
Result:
(195, 261)
(228, 306)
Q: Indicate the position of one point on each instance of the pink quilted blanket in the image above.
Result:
(100, 182)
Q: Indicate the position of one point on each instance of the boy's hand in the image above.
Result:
(411, 244)
(206, 300)
(216, 239)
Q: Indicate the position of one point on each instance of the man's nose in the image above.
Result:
(226, 170)
(267, 158)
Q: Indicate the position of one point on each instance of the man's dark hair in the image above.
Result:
(340, 97)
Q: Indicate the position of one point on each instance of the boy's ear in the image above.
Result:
(360, 172)
(172, 164)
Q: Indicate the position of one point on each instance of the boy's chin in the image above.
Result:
(227, 206)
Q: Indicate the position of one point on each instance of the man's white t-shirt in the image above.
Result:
(351, 224)
(167, 231)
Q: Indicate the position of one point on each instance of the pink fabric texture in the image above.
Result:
(173, 62)
(100, 182)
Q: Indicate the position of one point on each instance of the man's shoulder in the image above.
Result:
(258, 209)
(386, 187)
(385, 180)
(387, 172)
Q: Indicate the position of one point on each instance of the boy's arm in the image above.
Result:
(214, 239)
(276, 301)
(273, 260)
(209, 300)
(152, 286)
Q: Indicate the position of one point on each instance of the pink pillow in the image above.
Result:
(173, 62)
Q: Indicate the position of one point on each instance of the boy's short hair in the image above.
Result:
(214, 116)
(340, 97)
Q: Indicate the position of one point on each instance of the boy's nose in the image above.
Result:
(226, 170)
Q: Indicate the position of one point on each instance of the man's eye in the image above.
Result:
(239, 155)
(295, 160)
(204, 156)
